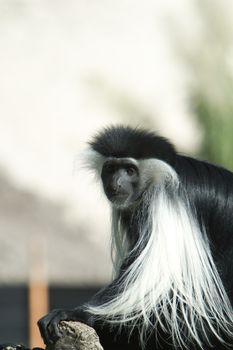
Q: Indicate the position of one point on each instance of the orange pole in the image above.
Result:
(38, 289)
(38, 307)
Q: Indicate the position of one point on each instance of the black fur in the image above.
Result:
(123, 141)
(210, 193)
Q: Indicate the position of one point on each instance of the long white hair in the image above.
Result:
(172, 283)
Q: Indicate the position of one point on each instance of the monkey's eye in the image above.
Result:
(130, 171)
(109, 168)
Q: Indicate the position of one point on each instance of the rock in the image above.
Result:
(76, 336)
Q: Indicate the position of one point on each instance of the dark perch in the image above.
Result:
(76, 336)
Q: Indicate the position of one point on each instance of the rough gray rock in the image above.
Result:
(76, 336)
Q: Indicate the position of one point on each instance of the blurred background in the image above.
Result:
(67, 69)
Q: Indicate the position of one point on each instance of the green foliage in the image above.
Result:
(216, 120)
(212, 90)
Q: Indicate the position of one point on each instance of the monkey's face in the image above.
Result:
(120, 179)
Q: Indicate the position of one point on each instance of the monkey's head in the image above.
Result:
(121, 181)
(127, 162)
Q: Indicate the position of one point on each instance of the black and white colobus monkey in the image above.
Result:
(172, 239)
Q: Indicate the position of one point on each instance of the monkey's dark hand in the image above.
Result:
(48, 325)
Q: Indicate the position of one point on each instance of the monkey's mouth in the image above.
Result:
(118, 198)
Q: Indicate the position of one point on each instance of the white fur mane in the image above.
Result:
(173, 283)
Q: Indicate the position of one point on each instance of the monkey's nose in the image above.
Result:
(114, 189)
(115, 186)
